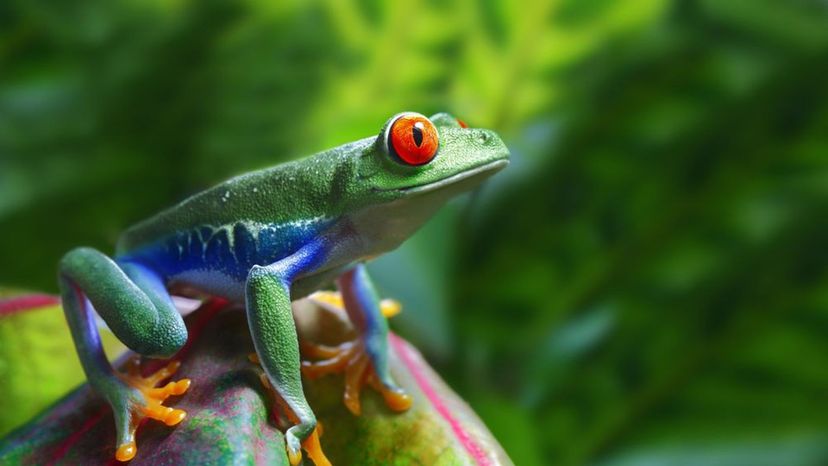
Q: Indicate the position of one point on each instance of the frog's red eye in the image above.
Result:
(413, 138)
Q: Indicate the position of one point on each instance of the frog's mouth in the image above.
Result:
(467, 178)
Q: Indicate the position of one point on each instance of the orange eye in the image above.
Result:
(413, 138)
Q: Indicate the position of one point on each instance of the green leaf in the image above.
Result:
(38, 363)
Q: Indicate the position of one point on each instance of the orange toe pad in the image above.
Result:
(126, 452)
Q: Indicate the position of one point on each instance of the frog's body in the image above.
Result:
(266, 238)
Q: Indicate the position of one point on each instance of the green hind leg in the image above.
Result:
(134, 303)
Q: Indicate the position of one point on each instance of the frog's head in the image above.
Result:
(415, 165)
(415, 155)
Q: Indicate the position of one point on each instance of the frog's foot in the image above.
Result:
(388, 307)
(353, 359)
(146, 401)
(311, 444)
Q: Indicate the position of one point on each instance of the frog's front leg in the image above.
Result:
(270, 317)
(364, 360)
(135, 304)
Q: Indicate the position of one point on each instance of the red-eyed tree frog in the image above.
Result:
(263, 239)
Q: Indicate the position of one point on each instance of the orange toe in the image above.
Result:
(390, 307)
(181, 387)
(126, 452)
(398, 402)
(336, 359)
(174, 417)
(295, 457)
(314, 448)
(355, 375)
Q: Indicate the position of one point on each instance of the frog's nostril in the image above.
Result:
(483, 137)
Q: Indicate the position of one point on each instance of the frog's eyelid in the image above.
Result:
(385, 136)
(446, 120)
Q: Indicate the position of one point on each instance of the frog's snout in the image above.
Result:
(483, 136)
(492, 143)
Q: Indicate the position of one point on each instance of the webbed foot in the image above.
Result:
(353, 359)
(137, 398)
(311, 444)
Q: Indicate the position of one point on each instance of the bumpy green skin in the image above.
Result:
(264, 239)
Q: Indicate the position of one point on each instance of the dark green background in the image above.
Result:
(646, 284)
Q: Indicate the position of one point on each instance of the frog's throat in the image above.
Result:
(382, 227)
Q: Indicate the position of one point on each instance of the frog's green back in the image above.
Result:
(294, 191)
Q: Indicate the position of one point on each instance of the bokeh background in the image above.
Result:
(645, 284)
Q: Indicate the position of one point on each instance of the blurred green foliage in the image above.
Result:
(644, 285)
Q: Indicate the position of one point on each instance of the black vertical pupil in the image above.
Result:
(418, 135)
